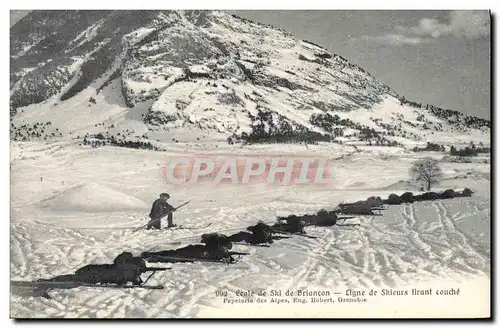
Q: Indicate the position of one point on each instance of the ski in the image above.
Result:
(74, 284)
(173, 259)
(295, 234)
(188, 227)
(257, 245)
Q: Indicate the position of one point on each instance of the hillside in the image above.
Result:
(200, 76)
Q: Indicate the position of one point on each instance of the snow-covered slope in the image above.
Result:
(444, 243)
(92, 197)
(205, 75)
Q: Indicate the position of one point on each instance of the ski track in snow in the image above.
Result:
(409, 243)
(191, 285)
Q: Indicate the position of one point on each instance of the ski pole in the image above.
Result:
(161, 217)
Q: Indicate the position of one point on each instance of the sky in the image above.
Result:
(432, 57)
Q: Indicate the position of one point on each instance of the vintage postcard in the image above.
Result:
(250, 164)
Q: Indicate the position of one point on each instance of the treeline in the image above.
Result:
(430, 147)
(468, 151)
(451, 116)
(336, 126)
(36, 131)
(270, 127)
(99, 140)
(409, 197)
(395, 130)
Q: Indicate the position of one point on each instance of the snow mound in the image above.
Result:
(93, 197)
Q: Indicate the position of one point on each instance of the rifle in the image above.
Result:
(238, 253)
(346, 218)
(153, 269)
(294, 233)
(161, 217)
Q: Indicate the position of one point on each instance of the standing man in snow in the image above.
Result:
(159, 209)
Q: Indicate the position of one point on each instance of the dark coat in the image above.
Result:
(160, 208)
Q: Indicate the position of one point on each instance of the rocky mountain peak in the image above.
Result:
(209, 72)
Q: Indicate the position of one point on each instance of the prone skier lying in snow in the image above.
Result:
(290, 224)
(260, 233)
(125, 268)
(217, 248)
(325, 218)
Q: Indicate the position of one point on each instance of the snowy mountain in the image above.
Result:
(203, 75)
